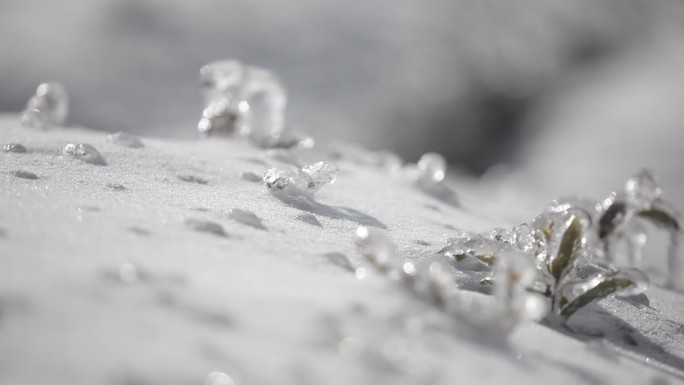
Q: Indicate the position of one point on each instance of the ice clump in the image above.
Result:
(306, 181)
(14, 148)
(125, 139)
(49, 106)
(84, 152)
(249, 101)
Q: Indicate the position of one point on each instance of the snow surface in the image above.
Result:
(135, 272)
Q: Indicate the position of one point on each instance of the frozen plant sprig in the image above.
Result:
(432, 281)
(558, 244)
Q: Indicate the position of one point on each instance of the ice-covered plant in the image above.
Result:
(433, 281)
(572, 244)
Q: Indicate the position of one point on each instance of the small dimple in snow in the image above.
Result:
(192, 179)
(309, 218)
(24, 174)
(204, 226)
(139, 231)
(246, 217)
(3, 233)
(340, 260)
(125, 139)
(250, 176)
(116, 186)
(15, 148)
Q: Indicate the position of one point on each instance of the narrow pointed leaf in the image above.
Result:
(486, 258)
(569, 250)
(660, 218)
(603, 289)
(611, 219)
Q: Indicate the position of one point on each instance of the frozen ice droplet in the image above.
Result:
(218, 118)
(34, 118)
(125, 139)
(246, 217)
(218, 378)
(429, 174)
(432, 167)
(15, 148)
(642, 189)
(85, 152)
(52, 101)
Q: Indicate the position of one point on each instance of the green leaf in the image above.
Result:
(569, 250)
(603, 289)
(660, 218)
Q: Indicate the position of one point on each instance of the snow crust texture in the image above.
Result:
(170, 262)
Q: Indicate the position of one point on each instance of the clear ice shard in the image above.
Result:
(249, 101)
(84, 152)
(125, 139)
(49, 106)
(307, 180)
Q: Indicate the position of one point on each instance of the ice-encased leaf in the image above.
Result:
(569, 250)
(661, 215)
(642, 189)
(577, 295)
(611, 218)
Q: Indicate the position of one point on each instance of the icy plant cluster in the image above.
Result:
(572, 244)
(432, 281)
(551, 267)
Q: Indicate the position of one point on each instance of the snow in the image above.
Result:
(105, 278)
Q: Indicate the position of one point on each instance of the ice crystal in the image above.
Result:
(49, 106)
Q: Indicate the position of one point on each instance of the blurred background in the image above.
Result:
(553, 95)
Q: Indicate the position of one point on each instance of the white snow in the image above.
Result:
(102, 280)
